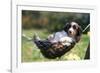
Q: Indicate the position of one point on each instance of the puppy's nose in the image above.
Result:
(70, 32)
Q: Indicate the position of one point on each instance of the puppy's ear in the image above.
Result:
(66, 27)
(79, 33)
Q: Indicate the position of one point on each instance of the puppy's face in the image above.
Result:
(73, 29)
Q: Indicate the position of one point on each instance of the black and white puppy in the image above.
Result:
(71, 33)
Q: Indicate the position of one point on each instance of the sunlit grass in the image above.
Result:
(30, 53)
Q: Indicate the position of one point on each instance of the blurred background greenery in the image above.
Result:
(45, 23)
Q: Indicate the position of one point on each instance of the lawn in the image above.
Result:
(30, 53)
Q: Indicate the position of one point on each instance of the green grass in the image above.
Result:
(30, 53)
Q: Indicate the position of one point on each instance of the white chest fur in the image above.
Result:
(61, 37)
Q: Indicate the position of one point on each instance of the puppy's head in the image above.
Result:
(73, 30)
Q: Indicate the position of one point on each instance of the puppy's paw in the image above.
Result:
(66, 39)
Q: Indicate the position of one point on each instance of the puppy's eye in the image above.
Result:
(68, 26)
(74, 27)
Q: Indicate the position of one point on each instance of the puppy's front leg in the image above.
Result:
(50, 37)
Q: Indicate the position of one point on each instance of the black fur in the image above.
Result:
(66, 27)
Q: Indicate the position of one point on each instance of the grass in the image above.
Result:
(30, 53)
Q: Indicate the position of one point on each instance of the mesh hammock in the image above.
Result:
(49, 50)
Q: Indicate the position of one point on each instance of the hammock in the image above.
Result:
(52, 50)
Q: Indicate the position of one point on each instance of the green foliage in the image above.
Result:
(53, 21)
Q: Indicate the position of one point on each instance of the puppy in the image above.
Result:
(70, 34)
